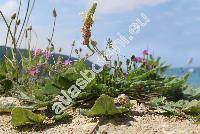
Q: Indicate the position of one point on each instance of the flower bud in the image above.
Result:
(115, 63)
(52, 48)
(13, 16)
(94, 43)
(60, 50)
(127, 62)
(76, 51)
(54, 13)
(48, 40)
(29, 28)
(18, 22)
(109, 42)
(133, 57)
(73, 44)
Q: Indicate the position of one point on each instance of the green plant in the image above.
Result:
(21, 117)
(39, 78)
(105, 105)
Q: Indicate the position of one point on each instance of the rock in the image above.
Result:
(9, 101)
(128, 123)
(133, 102)
(138, 109)
(104, 132)
(121, 100)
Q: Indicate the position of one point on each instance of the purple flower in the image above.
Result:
(33, 72)
(140, 59)
(144, 61)
(67, 62)
(37, 52)
(137, 59)
(134, 59)
(145, 52)
(46, 55)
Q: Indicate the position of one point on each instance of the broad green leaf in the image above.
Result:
(6, 108)
(21, 117)
(49, 89)
(5, 84)
(62, 117)
(69, 77)
(104, 105)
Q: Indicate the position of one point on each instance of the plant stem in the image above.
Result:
(52, 34)
(7, 25)
(7, 38)
(27, 21)
(19, 9)
(71, 53)
(26, 14)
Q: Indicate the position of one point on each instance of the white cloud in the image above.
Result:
(112, 6)
(8, 7)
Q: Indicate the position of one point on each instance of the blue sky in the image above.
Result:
(173, 33)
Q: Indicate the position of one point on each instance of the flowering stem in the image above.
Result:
(25, 18)
(53, 30)
(71, 53)
(5, 53)
(27, 21)
(16, 25)
(7, 25)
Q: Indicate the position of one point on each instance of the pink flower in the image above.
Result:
(137, 59)
(37, 52)
(140, 59)
(67, 62)
(134, 59)
(145, 52)
(144, 61)
(46, 55)
(33, 72)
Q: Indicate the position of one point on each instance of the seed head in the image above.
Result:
(94, 43)
(127, 62)
(80, 50)
(73, 44)
(54, 13)
(18, 22)
(29, 28)
(115, 63)
(13, 16)
(76, 51)
(60, 50)
(86, 33)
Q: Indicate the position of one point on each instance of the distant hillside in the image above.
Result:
(24, 52)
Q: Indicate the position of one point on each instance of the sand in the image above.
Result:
(139, 121)
(145, 124)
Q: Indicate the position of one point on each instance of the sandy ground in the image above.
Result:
(139, 121)
(146, 124)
